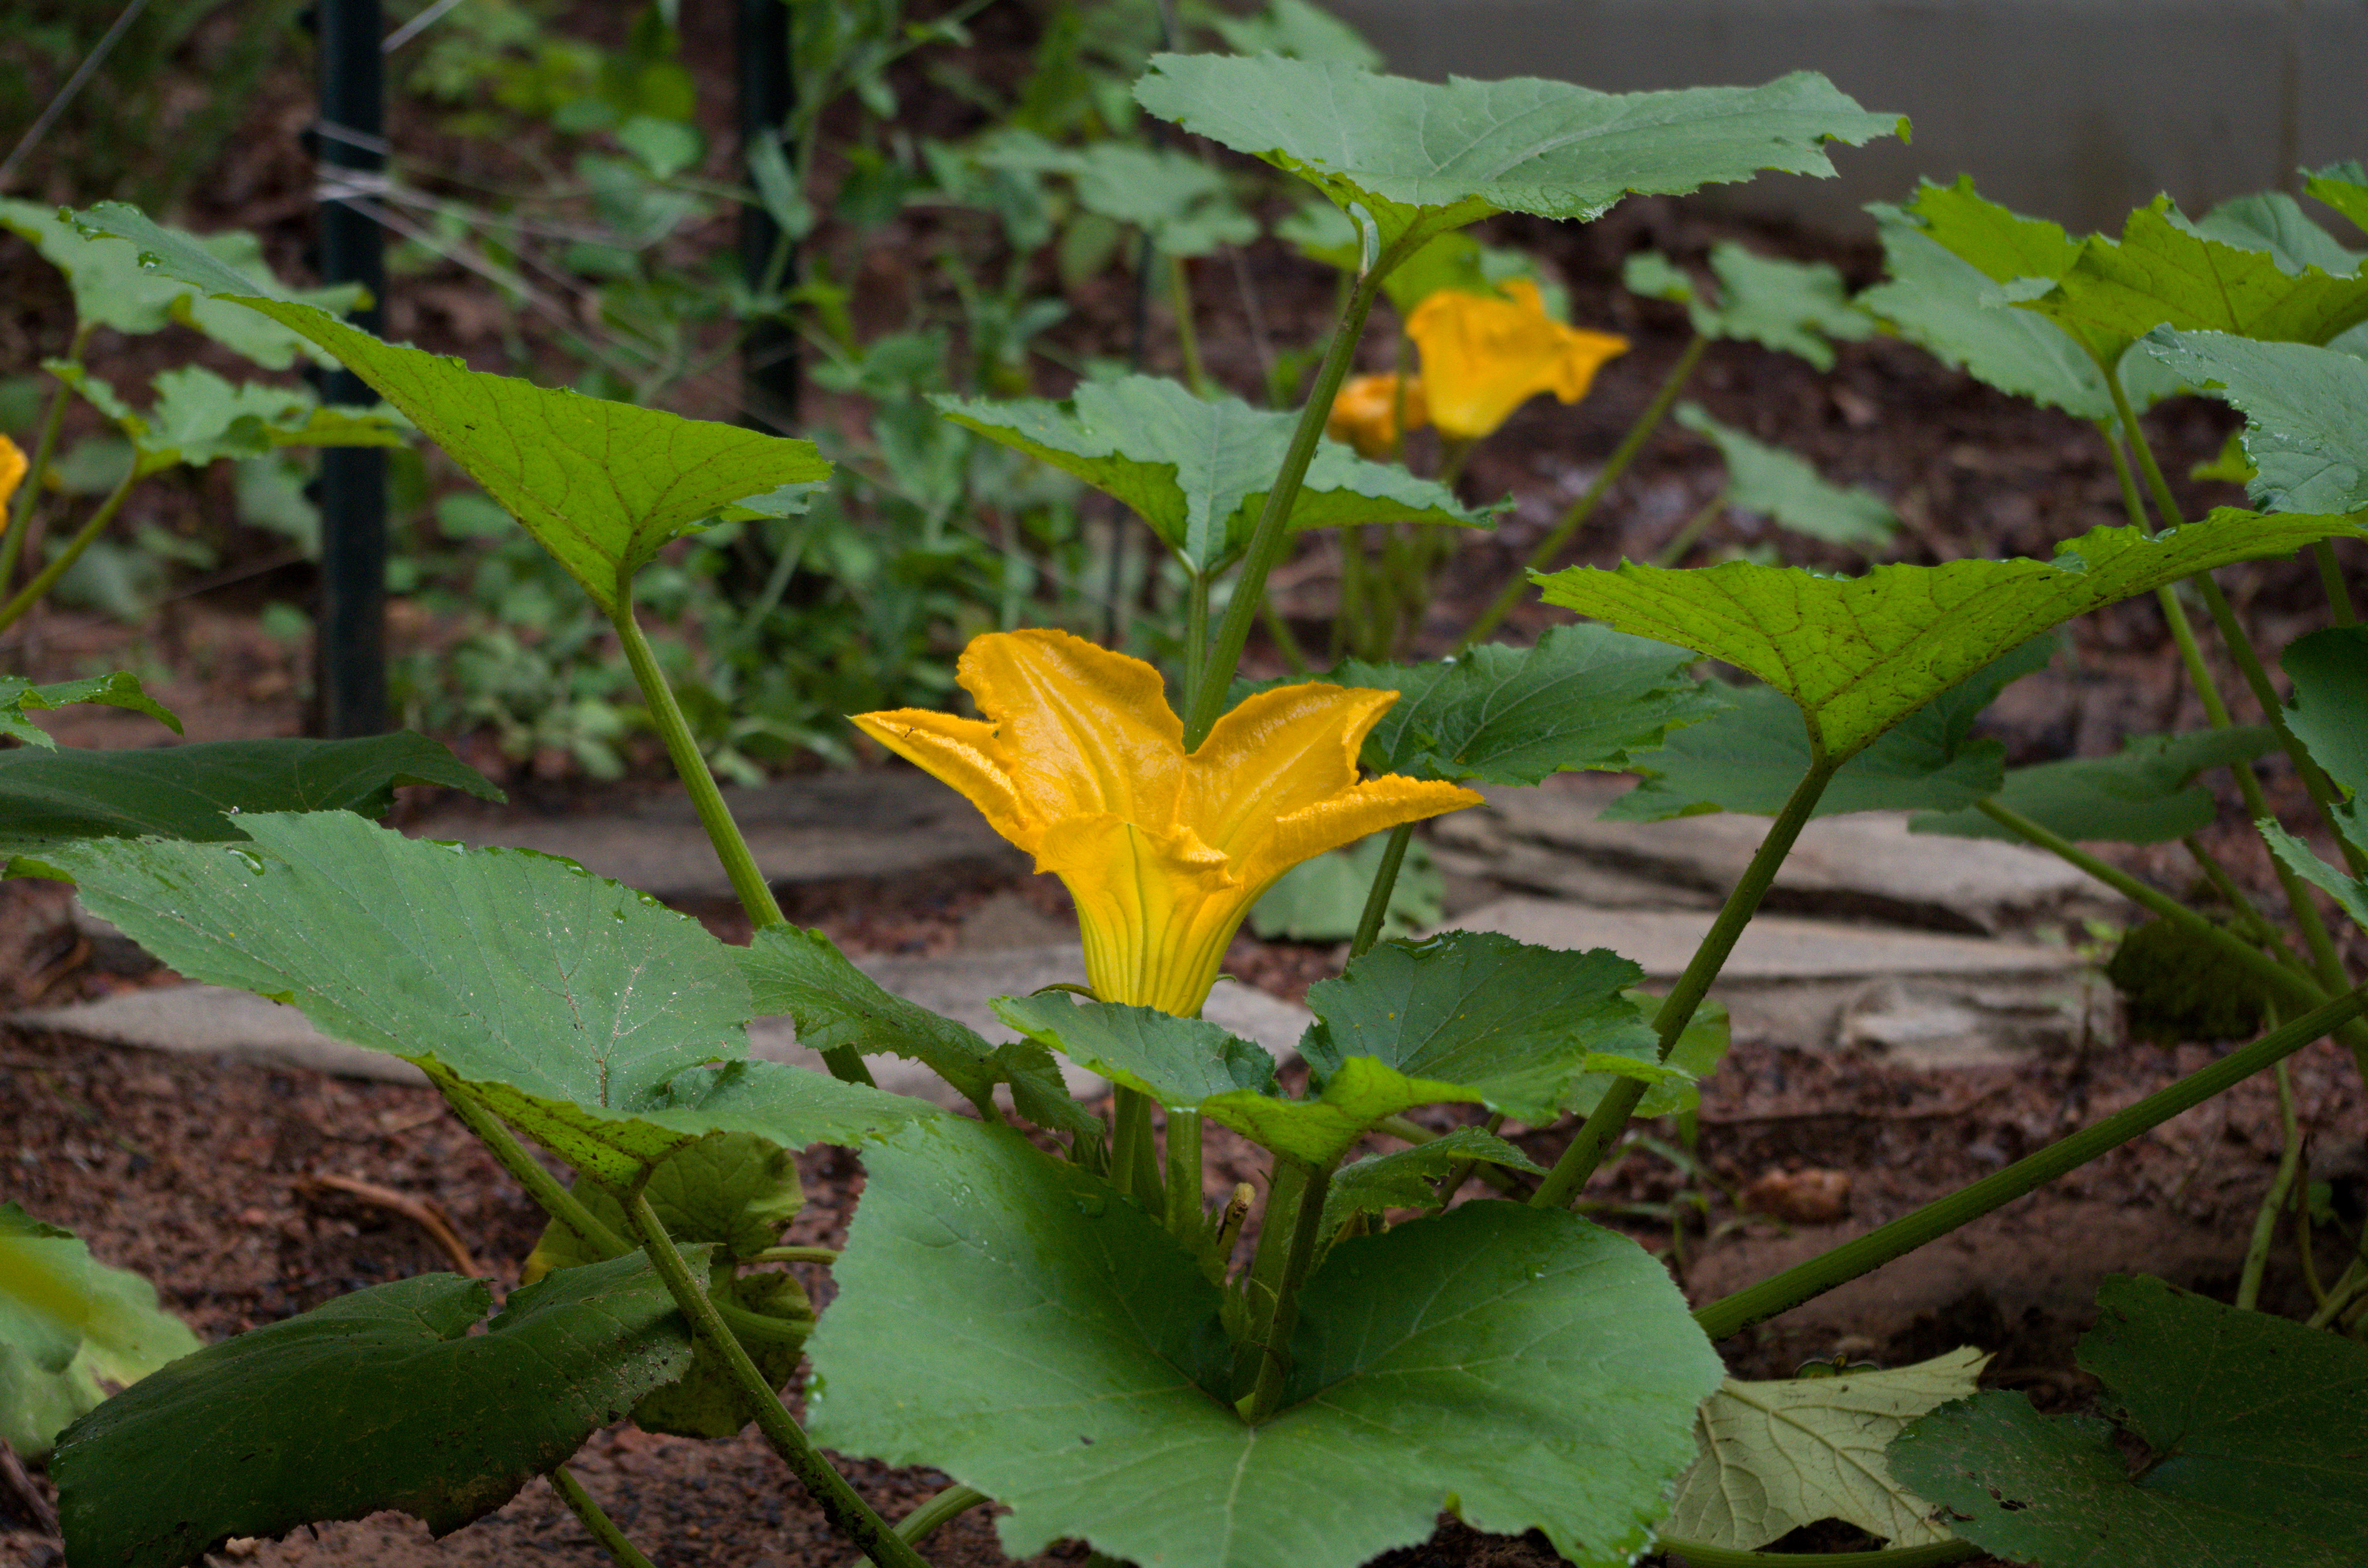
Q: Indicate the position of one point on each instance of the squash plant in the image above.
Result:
(1039, 1301)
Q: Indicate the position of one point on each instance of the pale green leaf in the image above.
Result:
(1177, 1062)
(602, 485)
(1008, 1320)
(198, 419)
(2274, 221)
(1792, 307)
(1198, 470)
(1424, 157)
(1787, 489)
(2303, 861)
(1860, 654)
(1671, 1087)
(1322, 900)
(118, 690)
(2244, 1443)
(2342, 186)
(1299, 30)
(2140, 795)
(2305, 410)
(1776, 1456)
(1180, 201)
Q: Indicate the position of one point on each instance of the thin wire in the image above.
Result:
(57, 107)
(417, 25)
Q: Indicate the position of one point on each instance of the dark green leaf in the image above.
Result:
(837, 1006)
(576, 1006)
(382, 1399)
(2305, 410)
(602, 485)
(2139, 796)
(1584, 696)
(2253, 1432)
(2329, 712)
(1197, 470)
(1672, 1088)
(1008, 1319)
(1403, 1177)
(1860, 654)
(1776, 485)
(117, 691)
(2303, 861)
(1178, 1061)
(1511, 1022)
(736, 1192)
(1423, 157)
(184, 792)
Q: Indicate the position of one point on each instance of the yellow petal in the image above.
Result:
(12, 474)
(1278, 752)
(1484, 357)
(959, 752)
(1157, 910)
(1079, 730)
(1372, 806)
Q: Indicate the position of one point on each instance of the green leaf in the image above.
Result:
(1322, 900)
(1008, 1320)
(2330, 710)
(199, 417)
(2252, 1431)
(2303, 861)
(2141, 795)
(1793, 307)
(382, 1399)
(1403, 1177)
(2342, 186)
(1670, 1087)
(1776, 485)
(1775, 1456)
(2274, 221)
(112, 288)
(602, 485)
(1422, 157)
(1511, 1022)
(1197, 470)
(185, 791)
(1300, 29)
(69, 1326)
(1860, 654)
(575, 1006)
(1177, 1062)
(115, 690)
(1584, 697)
(2305, 413)
(837, 1006)
(2162, 273)
(1749, 757)
(1180, 201)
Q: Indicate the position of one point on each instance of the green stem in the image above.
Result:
(823, 1256)
(2350, 1286)
(850, 1514)
(603, 1530)
(1695, 526)
(1272, 536)
(1377, 898)
(83, 539)
(1278, 630)
(938, 1512)
(2330, 577)
(2265, 1223)
(1187, 1217)
(1287, 1242)
(2236, 899)
(690, 765)
(1188, 338)
(1134, 1162)
(548, 1192)
(1584, 507)
(20, 515)
(1196, 636)
(1732, 1315)
(1595, 1135)
(1932, 1555)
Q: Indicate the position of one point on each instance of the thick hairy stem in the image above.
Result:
(937, 1513)
(1584, 507)
(549, 1194)
(698, 780)
(2330, 578)
(1735, 1313)
(1595, 1135)
(601, 1527)
(1187, 1218)
(850, 1514)
(1287, 1242)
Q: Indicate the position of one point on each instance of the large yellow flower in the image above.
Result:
(1081, 762)
(1483, 356)
(1365, 413)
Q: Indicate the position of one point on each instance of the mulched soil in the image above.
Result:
(202, 1176)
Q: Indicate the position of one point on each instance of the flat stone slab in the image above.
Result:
(1929, 1000)
(211, 1020)
(1866, 865)
(813, 828)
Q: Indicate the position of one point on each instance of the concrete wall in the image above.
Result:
(2072, 109)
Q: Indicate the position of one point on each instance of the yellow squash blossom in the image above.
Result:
(1365, 413)
(1484, 357)
(12, 474)
(1081, 762)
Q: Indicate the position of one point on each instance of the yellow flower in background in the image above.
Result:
(1483, 356)
(1365, 413)
(1081, 762)
(12, 474)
